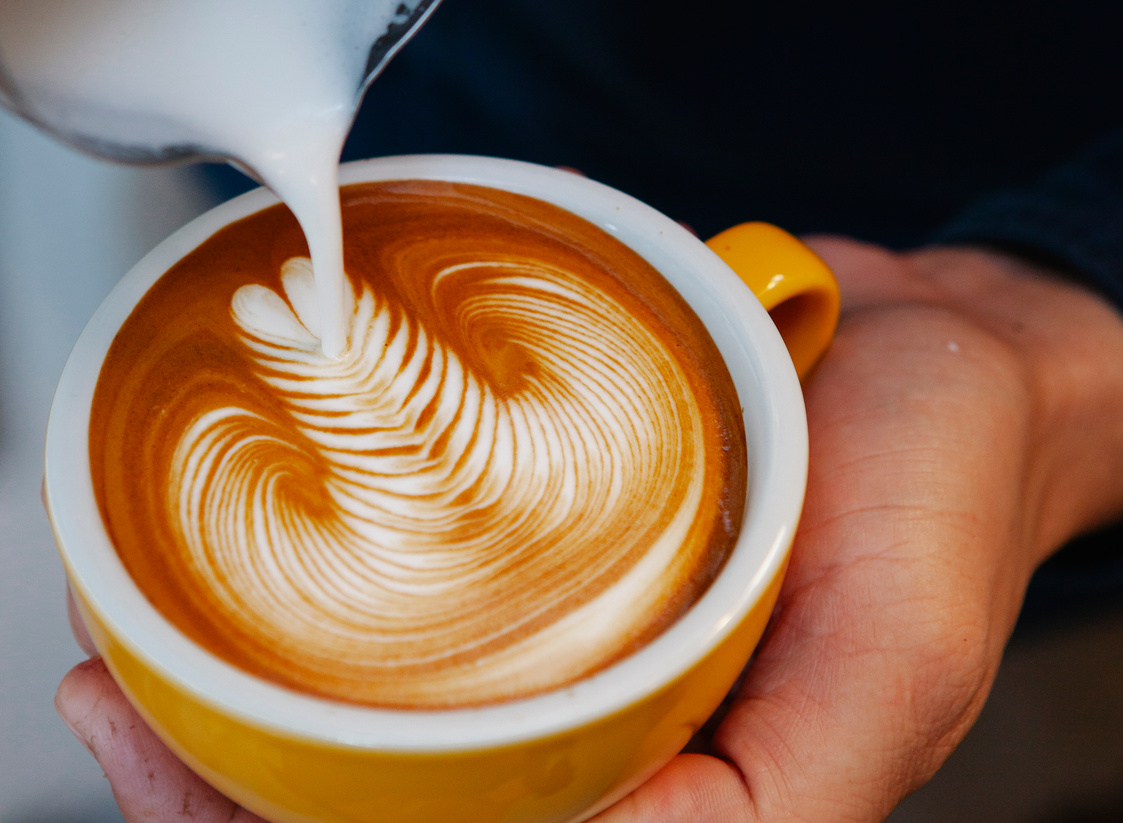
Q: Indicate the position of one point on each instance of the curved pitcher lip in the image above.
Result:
(775, 426)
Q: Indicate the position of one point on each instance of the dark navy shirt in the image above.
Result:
(881, 120)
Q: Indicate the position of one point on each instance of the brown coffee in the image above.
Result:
(527, 464)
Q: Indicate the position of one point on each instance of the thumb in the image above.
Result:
(861, 688)
(843, 754)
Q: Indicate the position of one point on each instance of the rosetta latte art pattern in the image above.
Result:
(493, 493)
(446, 500)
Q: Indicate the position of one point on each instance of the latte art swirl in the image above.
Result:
(505, 483)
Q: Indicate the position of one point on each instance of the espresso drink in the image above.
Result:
(526, 464)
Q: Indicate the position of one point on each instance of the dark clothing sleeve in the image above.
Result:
(1071, 218)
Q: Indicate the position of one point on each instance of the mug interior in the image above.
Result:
(775, 429)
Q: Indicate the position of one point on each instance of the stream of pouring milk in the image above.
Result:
(271, 84)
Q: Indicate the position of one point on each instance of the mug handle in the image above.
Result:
(791, 281)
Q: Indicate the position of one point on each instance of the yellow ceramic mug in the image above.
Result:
(560, 756)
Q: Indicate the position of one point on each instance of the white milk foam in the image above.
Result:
(272, 85)
(444, 502)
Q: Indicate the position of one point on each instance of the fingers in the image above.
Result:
(828, 738)
(148, 781)
(795, 762)
(903, 585)
(868, 274)
(692, 788)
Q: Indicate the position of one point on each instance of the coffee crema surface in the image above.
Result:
(528, 462)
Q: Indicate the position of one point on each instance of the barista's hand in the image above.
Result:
(149, 782)
(968, 419)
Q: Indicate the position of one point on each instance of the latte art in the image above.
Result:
(511, 478)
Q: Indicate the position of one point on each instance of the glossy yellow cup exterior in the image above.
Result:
(566, 775)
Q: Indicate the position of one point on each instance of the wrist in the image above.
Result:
(1067, 343)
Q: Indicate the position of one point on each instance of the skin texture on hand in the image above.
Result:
(967, 421)
(149, 783)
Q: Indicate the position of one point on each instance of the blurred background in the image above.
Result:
(69, 228)
(1048, 748)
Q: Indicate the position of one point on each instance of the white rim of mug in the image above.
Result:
(775, 424)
